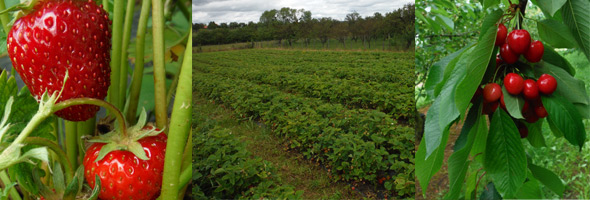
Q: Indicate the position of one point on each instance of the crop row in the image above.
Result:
(356, 144)
(224, 169)
(385, 70)
(395, 99)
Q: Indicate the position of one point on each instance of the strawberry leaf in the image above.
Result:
(96, 190)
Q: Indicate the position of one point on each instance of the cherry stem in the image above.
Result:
(478, 180)
(97, 102)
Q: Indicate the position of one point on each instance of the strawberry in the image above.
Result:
(123, 175)
(56, 36)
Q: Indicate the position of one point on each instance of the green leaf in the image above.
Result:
(535, 136)
(488, 22)
(489, 3)
(436, 71)
(583, 109)
(470, 183)
(513, 103)
(550, 6)
(479, 59)
(433, 133)
(552, 57)
(576, 16)
(96, 189)
(505, 159)
(447, 22)
(565, 118)
(490, 192)
(531, 189)
(427, 167)
(474, 125)
(448, 71)
(58, 179)
(567, 86)
(22, 173)
(548, 178)
(555, 33)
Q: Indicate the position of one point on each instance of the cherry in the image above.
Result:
(513, 83)
(535, 52)
(547, 84)
(522, 129)
(507, 55)
(530, 91)
(540, 110)
(502, 104)
(478, 93)
(501, 35)
(519, 41)
(489, 107)
(492, 92)
(531, 118)
(499, 61)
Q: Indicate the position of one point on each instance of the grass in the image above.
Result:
(332, 44)
(292, 168)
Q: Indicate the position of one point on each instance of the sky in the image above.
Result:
(225, 11)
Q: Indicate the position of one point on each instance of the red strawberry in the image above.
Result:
(60, 35)
(123, 175)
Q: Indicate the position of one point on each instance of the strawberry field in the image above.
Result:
(351, 112)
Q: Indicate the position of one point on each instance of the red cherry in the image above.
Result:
(525, 107)
(489, 108)
(478, 93)
(501, 35)
(507, 55)
(492, 92)
(540, 110)
(547, 84)
(513, 83)
(535, 52)
(530, 91)
(531, 118)
(499, 61)
(519, 41)
(522, 129)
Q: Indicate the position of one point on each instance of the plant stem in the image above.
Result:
(179, 127)
(105, 5)
(114, 93)
(125, 46)
(185, 177)
(184, 9)
(4, 18)
(72, 142)
(6, 180)
(137, 78)
(97, 102)
(62, 157)
(85, 128)
(159, 67)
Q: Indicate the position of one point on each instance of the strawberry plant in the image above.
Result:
(76, 57)
(532, 83)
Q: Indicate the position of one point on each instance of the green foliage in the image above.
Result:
(224, 169)
(355, 143)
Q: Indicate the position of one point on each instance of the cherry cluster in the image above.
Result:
(517, 43)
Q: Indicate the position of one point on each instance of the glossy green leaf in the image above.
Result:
(565, 118)
(555, 33)
(548, 178)
(489, 3)
(535, 136)
(576, 16)
(436, 71)
(531, 189)
(427, 167)
(480, 57)
(513, 103)
(488, 22)
(490, 192)
(474, 125)
(550, 6)
(505, 159)
(446, 22)
(552, 57)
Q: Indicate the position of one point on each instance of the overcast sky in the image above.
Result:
(227, 11)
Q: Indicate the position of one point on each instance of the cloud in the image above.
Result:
(225, 11)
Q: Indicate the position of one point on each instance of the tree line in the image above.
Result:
(289, 25)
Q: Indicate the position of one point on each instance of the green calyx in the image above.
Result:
(116, 140)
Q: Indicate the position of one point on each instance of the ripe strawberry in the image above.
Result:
(123, 175)
(58, 36)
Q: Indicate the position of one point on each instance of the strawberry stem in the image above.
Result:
(180, 123)
(125, 45)
(97, 102)
(61, 155)
(159, 70)
(114, 94)
(72, 141)
(136, 80)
